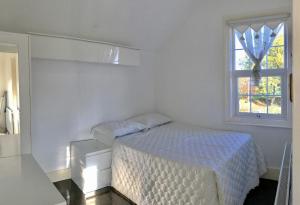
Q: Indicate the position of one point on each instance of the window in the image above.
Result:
(259, 69)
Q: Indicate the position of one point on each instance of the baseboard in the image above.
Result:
(272, 173)
(59, 175)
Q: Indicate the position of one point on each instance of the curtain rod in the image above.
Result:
(258, 19)
(80, 39)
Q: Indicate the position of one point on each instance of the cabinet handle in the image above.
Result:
(291, 87)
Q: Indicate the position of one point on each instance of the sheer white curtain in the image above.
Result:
(256, 40)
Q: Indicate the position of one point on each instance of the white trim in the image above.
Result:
(63, 203)
(283, 188)
(258, 122)
(230, 112)
(272, 173)
(258, 19)
(59, 175)
(296, 105)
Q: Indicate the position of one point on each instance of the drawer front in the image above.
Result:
(101, 161)
(100, 180)
(105, 178)
(95, 163)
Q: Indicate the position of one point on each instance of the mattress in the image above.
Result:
(183, 164)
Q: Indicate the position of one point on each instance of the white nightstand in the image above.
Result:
(90, 165)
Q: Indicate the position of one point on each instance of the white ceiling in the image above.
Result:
(143, 24)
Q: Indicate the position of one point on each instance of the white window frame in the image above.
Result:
(231, 99)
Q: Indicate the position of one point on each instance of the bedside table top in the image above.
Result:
(89, 147)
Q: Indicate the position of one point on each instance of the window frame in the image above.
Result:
(232, 114)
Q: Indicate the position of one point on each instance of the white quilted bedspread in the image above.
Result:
(182, 164)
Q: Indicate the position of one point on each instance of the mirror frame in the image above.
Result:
(23, 45)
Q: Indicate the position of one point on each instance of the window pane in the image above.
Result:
(244, 86)
(244, 104)
(266, 98)
(261, 89)
(276, 57)
(274, 85)
(264, 63)
(237, 44)
(279, 40)
(259, 104)
(274, 105)
(242, 61)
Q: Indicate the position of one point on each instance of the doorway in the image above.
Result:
(9, 94)
(9, 101)
(14, 95)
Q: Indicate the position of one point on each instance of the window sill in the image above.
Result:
(281, 123)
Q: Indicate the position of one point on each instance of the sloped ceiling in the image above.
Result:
(143, 24)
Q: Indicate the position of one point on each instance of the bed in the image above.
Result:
(182, 164)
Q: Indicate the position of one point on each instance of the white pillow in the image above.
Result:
(108, 131)
(151, 120)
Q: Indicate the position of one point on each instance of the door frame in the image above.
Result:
(296, 103)
(22, 41)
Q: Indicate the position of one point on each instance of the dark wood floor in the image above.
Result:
(105, 196)
(264, 194)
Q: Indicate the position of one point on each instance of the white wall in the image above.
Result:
(70, 97)
(190, 74)
(296, 130)
(142, 24)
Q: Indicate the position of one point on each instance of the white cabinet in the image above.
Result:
(22, 181)
(90, 165)
(64, 48)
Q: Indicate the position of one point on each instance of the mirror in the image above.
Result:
(9, 101)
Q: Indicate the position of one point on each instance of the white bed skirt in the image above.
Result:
(142, 173)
